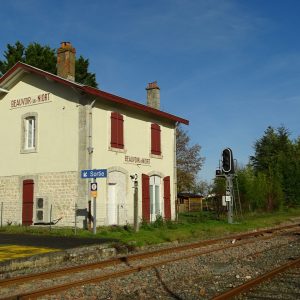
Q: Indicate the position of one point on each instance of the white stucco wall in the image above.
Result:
(137, 143)
(57, 136)
(55, 165)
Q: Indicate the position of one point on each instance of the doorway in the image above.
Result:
(116, 198)
(27, 202)
(111, 205)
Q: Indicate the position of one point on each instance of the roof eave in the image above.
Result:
(19, 66)
(133, 104)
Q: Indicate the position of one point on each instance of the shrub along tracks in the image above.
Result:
(58, 280)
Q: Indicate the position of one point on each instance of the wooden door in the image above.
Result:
(27, 209)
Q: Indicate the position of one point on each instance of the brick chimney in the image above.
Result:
(66, 61)
(153, 95)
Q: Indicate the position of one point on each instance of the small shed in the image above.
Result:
(190, 202)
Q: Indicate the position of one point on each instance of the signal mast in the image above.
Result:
(227, 171)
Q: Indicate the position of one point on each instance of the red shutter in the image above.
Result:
(117, 132)
(120, 132)
(114, 130)
(145, 198)
(167, 198)
(155, 139)
(27, 209)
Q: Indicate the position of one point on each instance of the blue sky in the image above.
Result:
(230, 67)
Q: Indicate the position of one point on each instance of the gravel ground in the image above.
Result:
(283, 287)
(201, 277)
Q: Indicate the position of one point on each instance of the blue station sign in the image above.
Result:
(99, 173)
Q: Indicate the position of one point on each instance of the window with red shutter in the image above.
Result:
(117, 131)
(155, 139)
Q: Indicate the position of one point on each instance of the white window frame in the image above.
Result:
(29, 133)
(155, 183)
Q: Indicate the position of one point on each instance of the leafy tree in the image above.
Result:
(272, 178)
(269, 148)
(43, 57)
(81, 73)
(258, 191)
(12, 55)
(189, 161)
(276, 157)
(202, 187)
(218, 191)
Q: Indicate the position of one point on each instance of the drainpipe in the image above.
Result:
(175, 173)
(3, 90)
(90, 150)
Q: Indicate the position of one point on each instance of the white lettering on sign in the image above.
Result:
(94, 186)
(97, 173)
(33, 100)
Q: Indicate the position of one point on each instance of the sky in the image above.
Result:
(231, 67)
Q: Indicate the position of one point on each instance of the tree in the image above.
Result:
(202, 187)
(269, 148)
(43, 57)
(278, 159)
(13, 54)
(189, 161)
(257, 191)
(218, 190)
(81, 73)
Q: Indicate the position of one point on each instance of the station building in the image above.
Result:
(52, 128)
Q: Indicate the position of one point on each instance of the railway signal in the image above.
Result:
(227, 171)
(227, 161)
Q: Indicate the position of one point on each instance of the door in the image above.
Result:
(111, 205)
(27, 208)
(116, 200)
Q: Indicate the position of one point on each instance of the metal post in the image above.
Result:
(229, 203)
(94, 219)
(50, 215)
(90, 150)
(136, 206)
(1, 212)
(75, 229)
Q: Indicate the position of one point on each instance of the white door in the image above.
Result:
(111, 205)
(116, 197)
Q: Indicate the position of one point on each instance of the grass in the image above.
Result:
(191, 226)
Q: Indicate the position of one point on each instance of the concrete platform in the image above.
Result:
(18, 251)
(45, 241)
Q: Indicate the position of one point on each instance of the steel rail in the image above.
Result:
(62, 272)
(256, 281)
(100, 278)
(133, 257)
(62, 287)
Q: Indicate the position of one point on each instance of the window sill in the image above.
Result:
(159, 156)
(26, 151)
(119, 150)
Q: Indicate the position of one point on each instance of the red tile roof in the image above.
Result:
(19, 67)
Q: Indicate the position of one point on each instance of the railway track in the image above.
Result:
(288, 273)
(129, 264)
